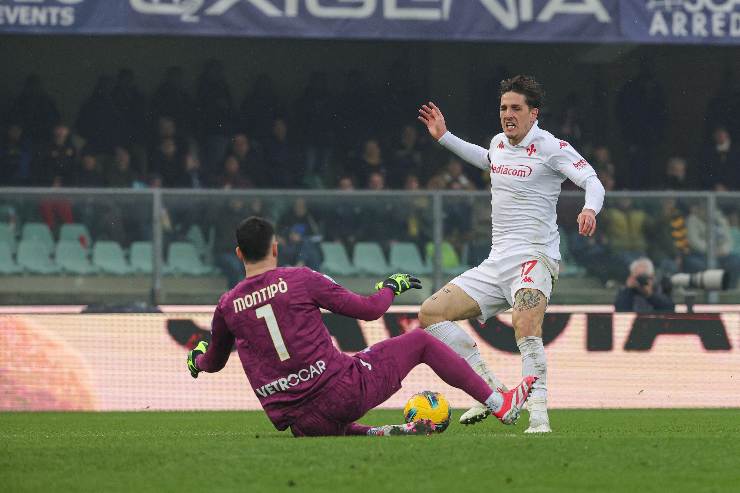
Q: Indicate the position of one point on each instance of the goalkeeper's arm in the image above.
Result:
(212, 357)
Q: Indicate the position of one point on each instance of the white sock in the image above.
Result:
(534, 363)
(460, 341)
(495, 401)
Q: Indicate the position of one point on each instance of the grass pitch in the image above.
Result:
(593, 451)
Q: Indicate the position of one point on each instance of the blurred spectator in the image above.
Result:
(131, 105)
(641, 293)
(721, 169)
(667, 236)
(315, 116)
(120, 174)
(299, 214)
(89, 173)
(697, 234)
(625, 228)
(676, 175)
(232, 176)
(167, 162)
(189, 176)
(416, 214)
(571, 126)
(171, 99)
(215, 112)
(34, 110)
(601, 160)
(224, 221)
(54, 209)
(59, 158)
(99, 121)
(454, 178)
(260, 108)
(250, 160)
(381, 220)
(344, 216)
(407, 157)
(15, 157)
(642, 114)
(370, 161)
(283, 164)
(300, 235)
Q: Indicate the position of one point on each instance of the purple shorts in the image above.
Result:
(370, 381)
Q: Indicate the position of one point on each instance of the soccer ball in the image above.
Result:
(428, 405)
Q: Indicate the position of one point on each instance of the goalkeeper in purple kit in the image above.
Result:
(301, 380)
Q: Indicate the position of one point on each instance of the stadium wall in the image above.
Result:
(64, 360)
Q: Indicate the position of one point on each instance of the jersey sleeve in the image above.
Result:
(329, 295)
(219, 349)
(567, 161)
(473, 154)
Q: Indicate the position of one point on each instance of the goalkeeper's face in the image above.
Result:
(517, 117)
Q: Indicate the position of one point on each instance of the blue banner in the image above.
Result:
(592, 21)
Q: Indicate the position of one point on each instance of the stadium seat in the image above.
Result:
(108, 257)
(182, 258)
(71, 256)
(202, 246)
(405, 257)
(451, 264)
(336, 260)
(735, 234)
(76, 232)
(141, 257)
(369, 259)
(38, 232)
(35, 257)
(7, 236)
(7, 264)
(568, 266)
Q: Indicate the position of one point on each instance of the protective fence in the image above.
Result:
(597, 359)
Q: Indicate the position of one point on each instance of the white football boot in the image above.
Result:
(539, 422)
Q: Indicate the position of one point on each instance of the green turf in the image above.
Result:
(633, 451)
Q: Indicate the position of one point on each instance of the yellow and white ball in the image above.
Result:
(428, 405)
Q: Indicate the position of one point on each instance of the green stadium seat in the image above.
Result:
(183, 258)
(336, 260)
(405, 257)
(71, 256)
(38, 232)
(735, 234)
(202, 246)
(7, 236)
(108, 257)
(141, 257)
(451, 264)
(7, 264)
(35, 257)
(76, 232)
(369, 259)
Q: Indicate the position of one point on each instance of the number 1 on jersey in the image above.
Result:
(272, 327)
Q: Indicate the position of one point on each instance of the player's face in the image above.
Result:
(517, 117)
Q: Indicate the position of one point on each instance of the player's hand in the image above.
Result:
(399, 283)
(587, 222)
(430, 116)
(201, 348)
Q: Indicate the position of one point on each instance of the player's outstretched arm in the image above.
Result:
(431, 116)
(212, 357)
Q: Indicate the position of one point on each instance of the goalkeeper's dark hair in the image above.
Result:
(527, 86)
(254, 236)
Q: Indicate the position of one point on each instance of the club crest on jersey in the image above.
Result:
(517, 170)
(500, 145)
(531, 149)
(563, 144)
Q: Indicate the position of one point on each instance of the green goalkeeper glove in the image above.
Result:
(399, 283)
(201, 348)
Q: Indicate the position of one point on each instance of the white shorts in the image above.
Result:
(494, 283)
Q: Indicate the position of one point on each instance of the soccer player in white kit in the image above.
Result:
(527, 166)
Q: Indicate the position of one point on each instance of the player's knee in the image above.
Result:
(430, 313)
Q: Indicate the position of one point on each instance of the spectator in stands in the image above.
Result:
(189, 176)
(300, 235)
(250, 160)
(99, 120)
(571, 125)
(641, 293)
(260, 108)
(299, 214)
(625, 228)
(315, 117)
(370, 161)
(416, 216)
(34, 110)
(132, 107)
(223, 220)
(601, 160)
(232, 176)
(454, 178)
(407, 157)
(697, 234)
(721, 166)
(167, 162)
(283, 165)
(89, 173)
(59, 158)
(344, 216)
(667, 237)
(15, 158)
(676, 174)
(56, 210)
(381, 221)
(215, 112)
(120, 174)
(171, 99)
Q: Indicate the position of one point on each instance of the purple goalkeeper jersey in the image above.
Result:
(285, 348)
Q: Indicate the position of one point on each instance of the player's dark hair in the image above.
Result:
(254, 237)
(526, 85)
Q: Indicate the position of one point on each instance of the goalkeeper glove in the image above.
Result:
(399, 283)
(201, 348)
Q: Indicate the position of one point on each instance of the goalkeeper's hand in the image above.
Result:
(201, 348)
(399, 283)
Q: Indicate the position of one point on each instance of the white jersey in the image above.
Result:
(525, 186)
